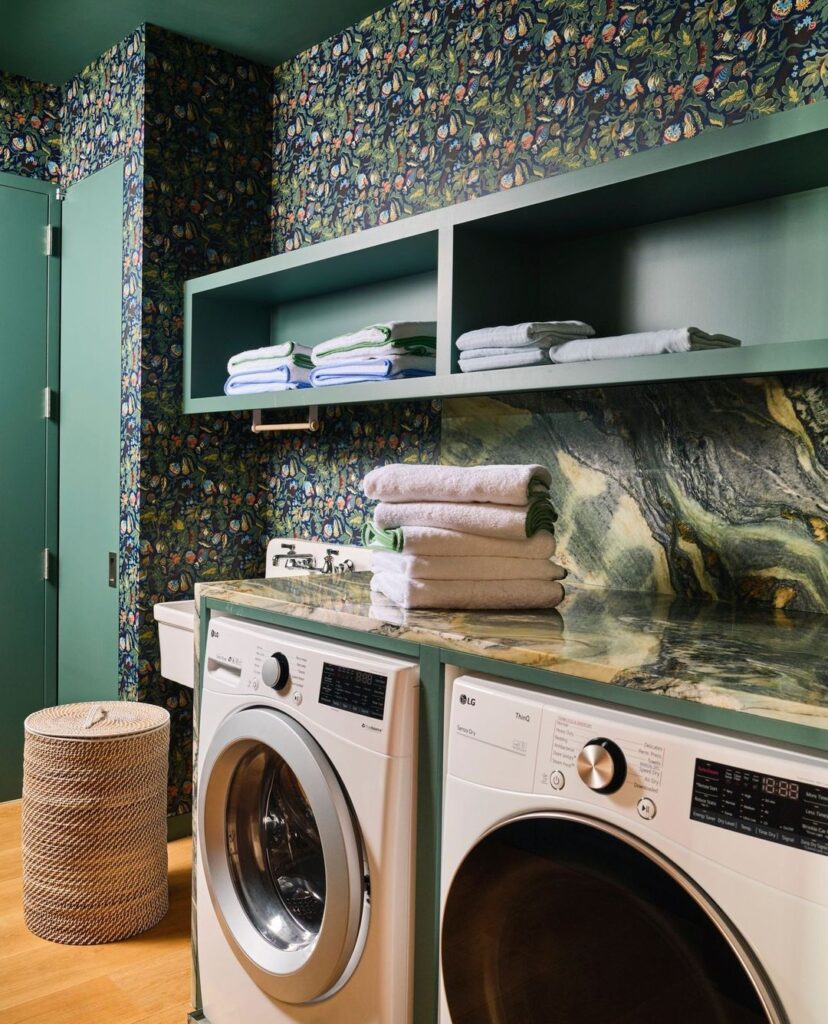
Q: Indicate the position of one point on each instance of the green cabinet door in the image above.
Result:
(26, 642)
(90, 389)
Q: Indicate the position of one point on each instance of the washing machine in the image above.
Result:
(605, 866)
(305, 816)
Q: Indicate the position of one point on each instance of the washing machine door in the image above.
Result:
(566, 919)
(282, 855)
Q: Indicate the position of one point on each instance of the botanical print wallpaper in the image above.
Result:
(713, 492)
(29, 128)
(314, 481)
(202, 480)
(427, 103)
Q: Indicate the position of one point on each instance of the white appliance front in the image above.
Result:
(306, 803)
(603, 865)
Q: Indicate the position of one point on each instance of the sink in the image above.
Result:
(176, 622)
(285, 556)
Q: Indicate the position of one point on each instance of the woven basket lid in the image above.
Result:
(97, 719)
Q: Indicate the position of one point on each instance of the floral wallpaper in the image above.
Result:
(202, 481)
(428, 103)
(315, 480)
(29, 128)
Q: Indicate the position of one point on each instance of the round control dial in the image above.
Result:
(602, 766)
(276, 671)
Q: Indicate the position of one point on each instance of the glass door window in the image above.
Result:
(274, 850)
(552, 921)
(282, 855)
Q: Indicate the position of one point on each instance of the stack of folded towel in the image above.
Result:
(454, 537)
(382, 352)
(496, 348)
(275, 368)
(571, 341)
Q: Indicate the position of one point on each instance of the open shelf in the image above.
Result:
(727, 232)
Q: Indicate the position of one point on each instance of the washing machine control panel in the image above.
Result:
(357, 693)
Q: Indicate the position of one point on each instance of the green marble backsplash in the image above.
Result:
(715, 490)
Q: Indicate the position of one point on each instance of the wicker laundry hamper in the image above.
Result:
(94, 821)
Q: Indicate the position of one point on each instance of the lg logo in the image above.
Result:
(471, 701)
(213, 632)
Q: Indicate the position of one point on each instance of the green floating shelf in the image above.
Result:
(727, 231)
(749, 361)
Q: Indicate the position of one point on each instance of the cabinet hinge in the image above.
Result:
(48, 561)
(60, 194)
(52, 240)
(49, 403)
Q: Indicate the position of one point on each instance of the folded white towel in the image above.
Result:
(427, 540)
(504, 485)
(449, 567)
(541, 333)
(507, 522)
(474, 354)
(252, 358)
(397, 337)
(645, 343)
(484, 360)
(499, 594)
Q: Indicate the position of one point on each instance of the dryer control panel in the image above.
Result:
(760, 810)
(780, 810)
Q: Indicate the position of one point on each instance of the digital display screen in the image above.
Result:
(350, 689)
(778, 810)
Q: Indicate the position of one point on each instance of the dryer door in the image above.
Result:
(558, 917)
(282, 855)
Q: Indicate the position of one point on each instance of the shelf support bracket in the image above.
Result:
(311, 424)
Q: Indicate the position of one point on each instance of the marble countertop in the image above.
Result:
(760, 662)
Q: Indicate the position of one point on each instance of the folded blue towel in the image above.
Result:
(279, 373)
(366, 370)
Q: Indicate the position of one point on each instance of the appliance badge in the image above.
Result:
(214, 633)
(471, 701)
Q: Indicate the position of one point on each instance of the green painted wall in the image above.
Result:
(90, 385)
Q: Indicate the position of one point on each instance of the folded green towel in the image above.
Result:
(382, 540)
(396, 338)
(540, 515)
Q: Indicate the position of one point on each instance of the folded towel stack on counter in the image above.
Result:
(275, 368)
(388, 351)
(571, 341)
(496, 348)
(455, 537)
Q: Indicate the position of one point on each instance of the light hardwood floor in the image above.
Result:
(145, 980)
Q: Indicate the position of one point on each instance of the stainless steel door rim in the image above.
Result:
(305, 965)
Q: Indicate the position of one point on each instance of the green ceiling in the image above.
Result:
(51, 40)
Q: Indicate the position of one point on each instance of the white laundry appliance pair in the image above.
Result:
(306, 805)
(603, 866)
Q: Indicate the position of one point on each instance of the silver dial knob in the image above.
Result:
(602, 766)
(276, 671)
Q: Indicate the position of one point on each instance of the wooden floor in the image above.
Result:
(145, 980)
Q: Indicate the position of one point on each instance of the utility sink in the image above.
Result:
(176, 622)
(286, 556)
